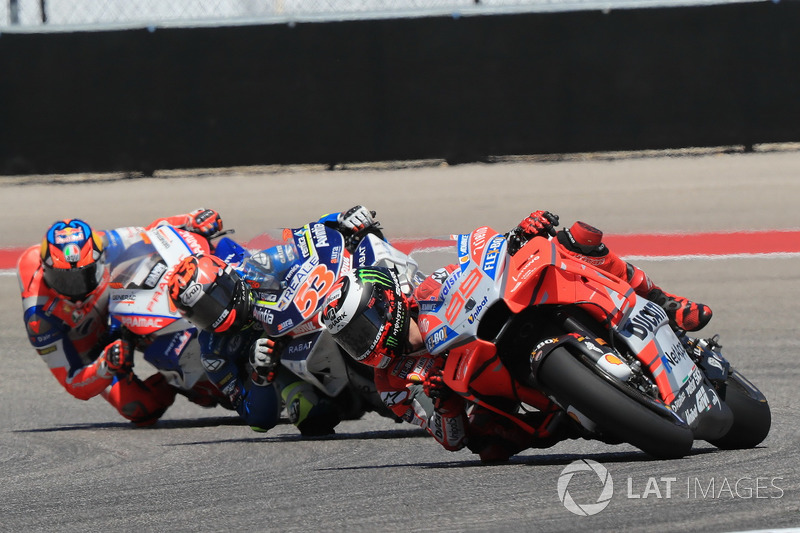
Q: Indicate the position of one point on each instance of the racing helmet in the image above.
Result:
(210, 294)
(72, 258)
(368, 315)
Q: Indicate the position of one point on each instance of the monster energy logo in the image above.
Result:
(374, 276)
(391, 342)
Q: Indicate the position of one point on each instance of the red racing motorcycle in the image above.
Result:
(562, 348)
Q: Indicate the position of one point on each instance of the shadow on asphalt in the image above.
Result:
(161, 424)
(632, 456)
(260, 438)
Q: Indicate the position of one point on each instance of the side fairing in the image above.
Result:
(177, 356)
(645, 329)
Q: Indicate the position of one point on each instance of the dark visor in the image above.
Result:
(74, 283)
(361, 333)
(209, 308)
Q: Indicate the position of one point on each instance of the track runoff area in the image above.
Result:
(673, 246)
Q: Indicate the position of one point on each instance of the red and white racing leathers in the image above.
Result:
(70, 336)
(400, 386)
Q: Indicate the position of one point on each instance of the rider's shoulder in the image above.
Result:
(28, 263)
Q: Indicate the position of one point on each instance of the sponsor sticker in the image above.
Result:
(192, 294)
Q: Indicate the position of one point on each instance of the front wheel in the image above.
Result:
(572, 383)
(751, 415)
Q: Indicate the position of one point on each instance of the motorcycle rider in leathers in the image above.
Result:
(64, 288)
(238, 357)
(375, 322)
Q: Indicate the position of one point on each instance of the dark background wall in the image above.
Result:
(437, 87)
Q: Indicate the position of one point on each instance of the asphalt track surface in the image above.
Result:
(68, 465)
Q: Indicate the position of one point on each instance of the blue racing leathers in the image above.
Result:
(225, 359)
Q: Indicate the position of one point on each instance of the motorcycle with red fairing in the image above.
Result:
(565, 350)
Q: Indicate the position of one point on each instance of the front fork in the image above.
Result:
(707, 354)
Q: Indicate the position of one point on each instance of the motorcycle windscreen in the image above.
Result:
(134, 266)
(267, 269)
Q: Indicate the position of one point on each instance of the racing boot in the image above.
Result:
(683, 313)
(585, 242)
(312, 412)
(495, 438)
(141, 402)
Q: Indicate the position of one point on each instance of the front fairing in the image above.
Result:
(291, 298)
(681, 383)
(316, 359)
(452, 316)
(641, 324)
(139, 298)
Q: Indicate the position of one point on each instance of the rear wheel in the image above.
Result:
(572, 383)
(751, 415)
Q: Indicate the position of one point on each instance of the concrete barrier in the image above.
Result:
(460, 89)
